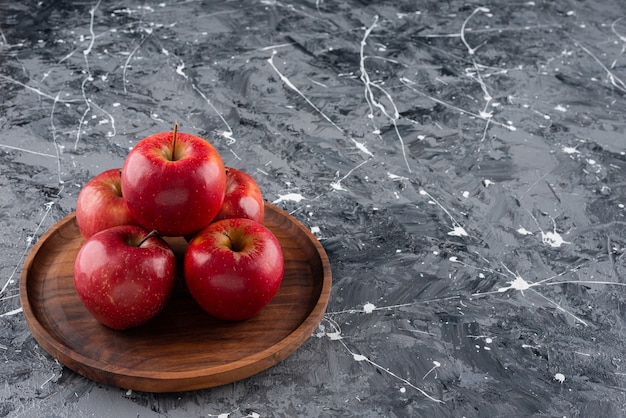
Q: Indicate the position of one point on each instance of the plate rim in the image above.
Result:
(195, 378)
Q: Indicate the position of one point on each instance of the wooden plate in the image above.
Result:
(182, 348)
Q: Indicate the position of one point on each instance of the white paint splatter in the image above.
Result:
(130, 56)
(10, 280)
(410, 85)
(369, 307)
(321, 331)
(229, 136)
(523, 231)
(531, 346)
(553, 239)
(226, 134)
(359, 357)
(471, 50)
(359, 145)
(518, 284)
(458, 231)
(180, 68)
(336, 185)
(13, 312)
(436, 364)
(228, 414)
(293, 197)
(395, 176)
(334, 336)
(370, 97)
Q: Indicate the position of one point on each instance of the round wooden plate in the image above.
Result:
(183, 348)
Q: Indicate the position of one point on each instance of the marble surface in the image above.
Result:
(462, 163)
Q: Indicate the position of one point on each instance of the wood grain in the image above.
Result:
(183, 348)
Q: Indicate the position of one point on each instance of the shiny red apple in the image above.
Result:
(233, 268)
(173, 182)
(243, 197)
(100, 204)
(124, 276)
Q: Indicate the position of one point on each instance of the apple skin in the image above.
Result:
(121, 283)
(100, 204)
(175, 191)
(233, 268)
(243, 197)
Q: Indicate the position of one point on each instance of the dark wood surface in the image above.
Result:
(183, 348)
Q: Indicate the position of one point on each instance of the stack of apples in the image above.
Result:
(174, 184)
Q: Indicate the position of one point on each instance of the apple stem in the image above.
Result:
(235, 246)
(118, 187)
(174, 141)
(148, 236)
(230, 240)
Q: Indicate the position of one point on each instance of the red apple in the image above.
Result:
(233, 268)
(243, 197)
(123, 276)
(100, 204)
(174, 183)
